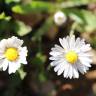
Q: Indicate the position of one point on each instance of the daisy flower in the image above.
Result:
(59, 18)
(71, 57)
(12, 54)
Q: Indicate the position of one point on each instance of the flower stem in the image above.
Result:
(39, 44)
(74, 25)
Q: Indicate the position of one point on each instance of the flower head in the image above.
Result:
(59, 18)
(71, 57)
(12, 54)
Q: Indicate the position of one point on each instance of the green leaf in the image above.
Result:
(42, 77)
(41, 6)
(9, 1)
(4, 25)
(39, 59)
(3, 16)
(18, 9)
(86, 19)
(21, 73)
(43, 29)
(75, 3)
(22, 29)
(34, 6)
(90, 19)
(76, 18)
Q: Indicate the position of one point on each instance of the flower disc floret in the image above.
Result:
(11, 54)
(71, 57)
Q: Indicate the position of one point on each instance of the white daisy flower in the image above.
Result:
(71, 58)
(59, 18)
(12, 54)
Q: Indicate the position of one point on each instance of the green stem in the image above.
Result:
(40, 44)
(74, 25)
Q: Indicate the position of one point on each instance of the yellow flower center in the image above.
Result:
(11, 54)
(71, 57)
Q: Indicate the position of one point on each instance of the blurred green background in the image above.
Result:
(33, 21)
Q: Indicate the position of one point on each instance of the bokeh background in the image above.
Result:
(33, 21)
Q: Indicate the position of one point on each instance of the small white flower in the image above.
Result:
(59, 18)
(72, 57)
(12, 54)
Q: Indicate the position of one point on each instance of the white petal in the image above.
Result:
(55, 53)
(58, 67)
(86, 63)
(23, 51)
(82, 68)
(56, 57)
(17, 65)
(75, 71)
(72, 42)
(22, 60)
(56, 62)
(1, 63)
(85, 55)
(64, 43)
(70, 72)
(67, 42)
(3, 44)
(63, 67)
(60, 71)
(85, 59)
(85, 48)
(79, 43)
(2, 56)
(14, 41)
(22, 55)
(5, 64)
(56, 50)
(13, 66)
(60, 49)
(66, 71)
